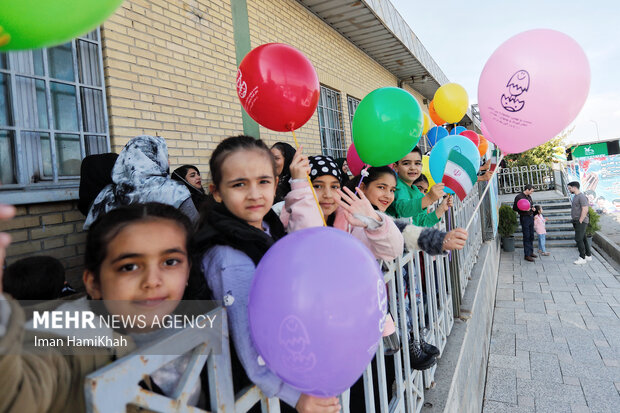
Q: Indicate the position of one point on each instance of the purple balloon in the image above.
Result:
(523, 205)
(317, 310)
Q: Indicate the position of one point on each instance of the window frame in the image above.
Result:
(325, 113)
(57, 187)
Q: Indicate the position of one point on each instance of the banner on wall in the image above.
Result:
(600, 181)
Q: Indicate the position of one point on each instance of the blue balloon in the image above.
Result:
(436, 133)
(439, 155)
(457, 130)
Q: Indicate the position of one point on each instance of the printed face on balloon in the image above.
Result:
(518, 84)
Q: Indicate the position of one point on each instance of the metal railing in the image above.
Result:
(439, 280)
(513, 180)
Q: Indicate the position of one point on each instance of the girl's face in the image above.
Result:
(380, 192)
(142, 273)
(410, 167)
(422, 186)
(325, 187)
(279, 158)
(193, 177)
(248, 185)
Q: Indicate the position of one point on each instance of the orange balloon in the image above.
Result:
(483, 146)
(434, 116)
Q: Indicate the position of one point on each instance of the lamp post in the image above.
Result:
(596, 124)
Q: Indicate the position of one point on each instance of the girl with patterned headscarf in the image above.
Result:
(140, 175)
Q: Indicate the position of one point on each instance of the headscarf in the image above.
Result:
(95, 174)
(324, 165)
(284, 187)
(140, 175)
(179, 175)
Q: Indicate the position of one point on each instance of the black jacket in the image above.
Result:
(523, 196)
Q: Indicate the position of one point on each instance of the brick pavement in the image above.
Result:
(555, 344)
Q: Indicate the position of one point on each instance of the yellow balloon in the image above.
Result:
(427, 123)
(427, 172)
(451, 102)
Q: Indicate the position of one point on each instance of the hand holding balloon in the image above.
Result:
(455, 240)
(300, 166)
(313, 404)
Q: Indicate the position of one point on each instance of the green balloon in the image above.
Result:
(387, 125)
(32, 24)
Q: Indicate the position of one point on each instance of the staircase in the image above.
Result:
(560, 232)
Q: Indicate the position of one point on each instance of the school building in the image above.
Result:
(168, 68)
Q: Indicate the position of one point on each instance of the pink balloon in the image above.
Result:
(471, 135)
(523, 205)
(353, 160)
(485, 132)
(531, 88)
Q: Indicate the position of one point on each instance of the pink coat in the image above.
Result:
(300, 209)
(385, 242)
(539, 224)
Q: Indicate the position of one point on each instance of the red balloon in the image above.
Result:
(434, 116)
(278, 87)
(471, 135)
(353, 160)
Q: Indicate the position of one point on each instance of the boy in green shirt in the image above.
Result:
(409, 201)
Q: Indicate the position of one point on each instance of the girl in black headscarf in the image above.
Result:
(189, 175)
(283, 155)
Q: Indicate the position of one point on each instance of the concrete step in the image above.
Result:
(556, 243)
(554, 226)
(563, 234)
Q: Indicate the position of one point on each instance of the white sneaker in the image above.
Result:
(588, 258)
(580, 261)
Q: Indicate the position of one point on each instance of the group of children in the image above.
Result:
(146, 245)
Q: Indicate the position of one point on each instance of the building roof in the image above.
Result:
(376, 27)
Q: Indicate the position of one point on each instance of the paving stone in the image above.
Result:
(573, 381)
(580, 408)
(552, 406)
(501, 385)
(505, 294)
(562, 297)
(545, 367)
(550, 392)
(503, 343)
(601, 395)
(601, 310)
(491, 406)
(520, 362)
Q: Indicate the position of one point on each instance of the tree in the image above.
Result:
(540, 154)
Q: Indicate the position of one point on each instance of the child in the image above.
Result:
(126, 266)
(236, 232)
(422, 184)
(539, 227)
(410, 202)
(35, 278)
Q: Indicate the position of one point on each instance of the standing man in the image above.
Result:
(527, 222)
(579, 215)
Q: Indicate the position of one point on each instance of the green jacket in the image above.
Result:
(408, 203)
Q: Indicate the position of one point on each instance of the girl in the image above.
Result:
(283, 154)
(140, 175)
(189, 175)
(135, 274)
(234, 235)
(539, 227)
(409, 201)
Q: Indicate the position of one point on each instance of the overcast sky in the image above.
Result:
(461, 35)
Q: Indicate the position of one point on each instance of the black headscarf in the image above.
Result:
(95, 174)
(198, 194)
(221, 227)
(284, 187)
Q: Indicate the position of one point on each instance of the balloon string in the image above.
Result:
(450, 229)
(310, 182)
(363, 174)
(471, 219)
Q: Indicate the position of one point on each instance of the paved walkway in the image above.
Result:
(555, 344)
(610, 226)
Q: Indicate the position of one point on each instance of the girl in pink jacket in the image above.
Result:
(539, 227)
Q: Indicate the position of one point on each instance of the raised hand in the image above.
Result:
(356, 204)
(300, 166)
(313, 404)
(6, 212)
(436, 191)
(455, 240)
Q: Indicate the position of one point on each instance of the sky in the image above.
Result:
(462, 35)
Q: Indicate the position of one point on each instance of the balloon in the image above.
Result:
(427, 172)
(457, 130)
(353, 160)
(451, 102)
(434, 116)
(483, 145)
(485, 132)
(32, 24)
(471, 135)
(531, 88)
(441, 151)
(317, 322)
(427, 123)
(278, 86)
(436, 133)
(387, 125)
(523, 205)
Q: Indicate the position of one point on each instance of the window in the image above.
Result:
(52, 113)
(330, 123)
(352, 102)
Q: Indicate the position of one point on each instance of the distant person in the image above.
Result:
(422, 183)
(579, 215)
(283, 154)
(189, 175)
(527, 222)
(539, 227)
